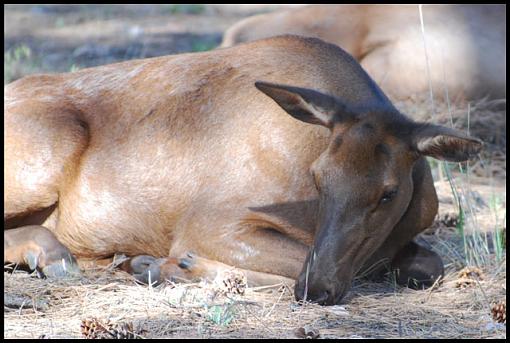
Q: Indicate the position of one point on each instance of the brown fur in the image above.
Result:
(465, 43)
(39, 249)
(179, 154)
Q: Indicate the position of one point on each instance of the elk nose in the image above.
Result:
(322, 297)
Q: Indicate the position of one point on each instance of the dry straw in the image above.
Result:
(56, 308)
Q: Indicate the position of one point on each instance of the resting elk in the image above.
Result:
(280, 157)
(465, 44)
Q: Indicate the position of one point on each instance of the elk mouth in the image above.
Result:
(331, 290)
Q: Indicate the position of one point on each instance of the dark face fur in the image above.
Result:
(365, 185)
(364, 181)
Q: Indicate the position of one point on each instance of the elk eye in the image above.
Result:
(388, 196)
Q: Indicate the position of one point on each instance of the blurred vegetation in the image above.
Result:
(18, 61)
(480, 248)
(200, 45)
(60, 22)
(74, 67)
(186, 9)
(221, 314)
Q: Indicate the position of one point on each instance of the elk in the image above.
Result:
(465, 44)
(280, 157)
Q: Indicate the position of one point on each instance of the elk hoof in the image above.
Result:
(146, 269)
(186, 263)
(56, 265)
(34, 247)
(417, 267)
(150, 270)
(61, 269)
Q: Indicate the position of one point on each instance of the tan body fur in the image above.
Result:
(466, 44)
(157, 151)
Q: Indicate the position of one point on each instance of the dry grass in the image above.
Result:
(486, 120)
(185, 310)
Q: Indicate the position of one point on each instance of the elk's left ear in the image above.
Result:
(444, 143)
(307, 105)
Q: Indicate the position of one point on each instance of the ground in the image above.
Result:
(42, 38)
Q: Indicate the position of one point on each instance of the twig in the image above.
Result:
(276, 303)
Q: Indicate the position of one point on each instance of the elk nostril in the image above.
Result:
(322, 298)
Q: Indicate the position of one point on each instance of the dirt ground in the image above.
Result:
(66, 37)
(43, 38)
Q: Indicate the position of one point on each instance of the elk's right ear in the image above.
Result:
(444, 143)
(306, 104)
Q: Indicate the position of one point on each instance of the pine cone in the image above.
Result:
(471, 273)
(232, 282)
(307, 332)
(88, 327)
(464, 282)
(499, 312)
(95, 329)
(468, 276)
(449, 219)
(236, 283)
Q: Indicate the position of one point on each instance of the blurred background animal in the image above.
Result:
(465, 44)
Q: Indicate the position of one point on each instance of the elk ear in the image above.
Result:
(444, 143)
(305, 104)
